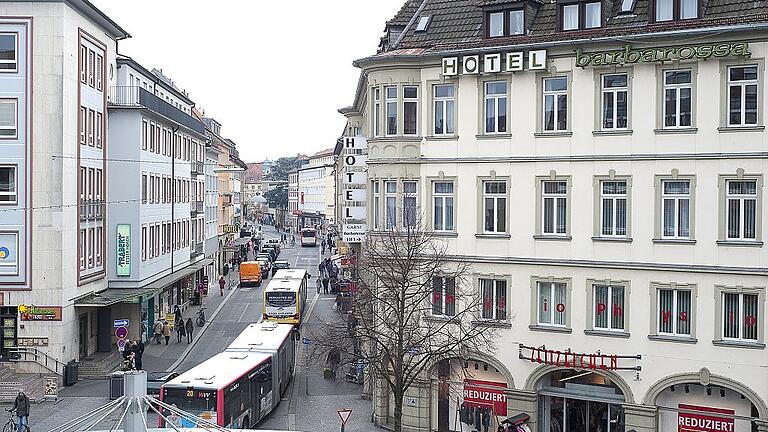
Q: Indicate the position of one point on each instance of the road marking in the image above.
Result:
(245, 309)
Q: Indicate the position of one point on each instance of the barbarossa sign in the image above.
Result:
(649, 55)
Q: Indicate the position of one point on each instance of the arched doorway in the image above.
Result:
(572, 400)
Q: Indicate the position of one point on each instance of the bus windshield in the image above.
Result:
(281, 299)
(201, 403)
(308, 233)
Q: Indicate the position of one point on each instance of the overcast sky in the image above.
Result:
(273, 73)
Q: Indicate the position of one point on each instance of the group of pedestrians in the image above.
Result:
(327, 274)
(162, 328)
(133, 352)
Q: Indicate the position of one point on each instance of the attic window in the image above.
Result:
(423, 23)
(627, 6)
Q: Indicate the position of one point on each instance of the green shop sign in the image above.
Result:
(628, 55)
(123, 250)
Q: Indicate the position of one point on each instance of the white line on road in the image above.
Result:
(245, 309)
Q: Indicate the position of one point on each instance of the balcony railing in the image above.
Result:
(133, 96)
(91, 210)
(197, 206)
(196, 250)
(197, 167)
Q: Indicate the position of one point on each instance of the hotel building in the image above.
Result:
(613, 155)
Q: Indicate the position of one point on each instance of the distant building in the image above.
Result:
(316, 186)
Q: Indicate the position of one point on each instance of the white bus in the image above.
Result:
(308, 237)
(285, 297)
(279, 340)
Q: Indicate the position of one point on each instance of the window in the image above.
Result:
(8, 52)
(390, 197)
(664, 10)
(494, 297)
(674, 312)
(608, 307)
(741, 207)
(98, 129)
(740, 316)
(391, 93)
(496, 24)
(627, 6)
(83, 64)
(98, 246)
(445, 101)
(376, 204)
(410, 109)
(91, 121)
(443, 296)
(677, 99)
(552, 303)
(592, 15)
(495, 107)
(505, 23)
(409, 204)
(613, 208)
(554, 207)
(614, 90)
(423, 23)
(676, 209)
(555, 104)
(91, 247)
(442, 196)
(91, 67)
(144, 132)
(668, 10)
(8, 118)
(516, 22)
(82, 124)
(495, 207)
(99, 65)
(8, 185)
(81, 250)
(570, 17)
(742, 95)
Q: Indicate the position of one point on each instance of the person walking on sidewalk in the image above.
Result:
(158, 330)
(319, 284)
(222, 282)
(21, 405)
(189, 327)
(166, 332)
(179, 327)
(322, 246)
(138, 351)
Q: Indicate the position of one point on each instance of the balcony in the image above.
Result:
(197, 167)
(196, 251)
(197, 208)
(137, 97)
(91, 210)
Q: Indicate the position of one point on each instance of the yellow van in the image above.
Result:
(250, 273)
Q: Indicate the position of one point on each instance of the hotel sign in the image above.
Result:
(123, 250)
(661, 54)
(569, 359)
(493, 63)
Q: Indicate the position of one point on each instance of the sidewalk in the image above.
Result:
(159, 358)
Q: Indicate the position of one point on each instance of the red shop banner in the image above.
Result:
(705, 420)
(486, 393)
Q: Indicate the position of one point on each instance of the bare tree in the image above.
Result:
(414, 306)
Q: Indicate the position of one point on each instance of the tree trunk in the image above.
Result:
(398, 411)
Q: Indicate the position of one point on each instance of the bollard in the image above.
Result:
(135, 389)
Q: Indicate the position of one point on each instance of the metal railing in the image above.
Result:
(197, 167)
(134, 96)
(34, 355)
(91, 210)
(198, 206)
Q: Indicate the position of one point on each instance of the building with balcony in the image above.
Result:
(614, 157)
(55, 205)
(157, 187)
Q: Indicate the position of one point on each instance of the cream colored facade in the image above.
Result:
(575, 164)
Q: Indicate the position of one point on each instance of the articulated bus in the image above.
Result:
(240, 386)
(309, 237)
(286, 296)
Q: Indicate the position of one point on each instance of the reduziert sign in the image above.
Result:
(492, 63)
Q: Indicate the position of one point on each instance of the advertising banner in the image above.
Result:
(706, 420)
(123, 250)
(479, 393)
(40, 313)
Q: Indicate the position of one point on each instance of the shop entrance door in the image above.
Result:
(443, 396)
(83, 336)
(8, 335)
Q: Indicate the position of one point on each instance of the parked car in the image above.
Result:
(251, 273)
(266, 255)
(271, 250)
(266, 266)
(278, 265)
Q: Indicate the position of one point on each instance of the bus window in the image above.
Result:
(201, 403)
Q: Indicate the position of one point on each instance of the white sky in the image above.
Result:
(273, 73)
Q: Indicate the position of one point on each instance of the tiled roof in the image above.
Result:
(459, 23)
(253, 173)
(405, 13)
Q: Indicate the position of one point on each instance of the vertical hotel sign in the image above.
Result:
(123, 250)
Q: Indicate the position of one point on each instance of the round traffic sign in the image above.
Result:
(121, 332)
(121, 343)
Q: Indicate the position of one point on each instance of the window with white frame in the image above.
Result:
(390, 204)
(608, 307)
(409, 204)
(444, 95)
(668, 10)
(391, 103)
(741, 316)
(676, 209)
(8, 118)
(81, 250)
(517, 22)
(377, 112)
(674, 311)
(613, 208)
(410, 109)
(376, 204)
(555, 104)
(495, 107)
(99, 233)
(742, 95)
(442, 198)
(443, 296)
(678, 88)
(552, 303)
(570, 17)
(494, 298)
(9, 52)
(8, 192)
(496, 24)
(741, 209)
(615, 101)
(554, 206)
(494, 206)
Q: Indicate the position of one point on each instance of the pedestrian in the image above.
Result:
(166, 332)
(337, 302)
(189, 328)
(222, 282)
(179, 327)
(319, 284)
(138, 350)
(176, 313)
(158, 330)
(321, 268)
(21, 405)
(126, 349)
(293, 240)
(325, 284)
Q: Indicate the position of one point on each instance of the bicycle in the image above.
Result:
(201, 316)
(10, 425)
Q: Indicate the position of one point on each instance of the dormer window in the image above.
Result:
(627, 6)
(581, 16)
(423, 23)
(673, 10)
(505, 23)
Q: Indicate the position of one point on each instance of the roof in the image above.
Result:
(290, 274)
(253, 172)
(87, 8)
(459, 23)
(263, 337)
(160, 79)
(404, 15)
(278, 284)
(219, 370)
(323, 153)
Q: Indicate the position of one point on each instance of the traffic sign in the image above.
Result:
(306, 341)
(121, 323)
(121, 344)
(121, 332)
(344, 415)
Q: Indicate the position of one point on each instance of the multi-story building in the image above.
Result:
(614, 155)
(211, 248)
(293, 197)
(253, 191)
(57, 60)
(316, 189)
(157, 188)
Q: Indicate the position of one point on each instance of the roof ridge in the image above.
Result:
(410, 24)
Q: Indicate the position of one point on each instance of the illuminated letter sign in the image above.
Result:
(661, 54)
